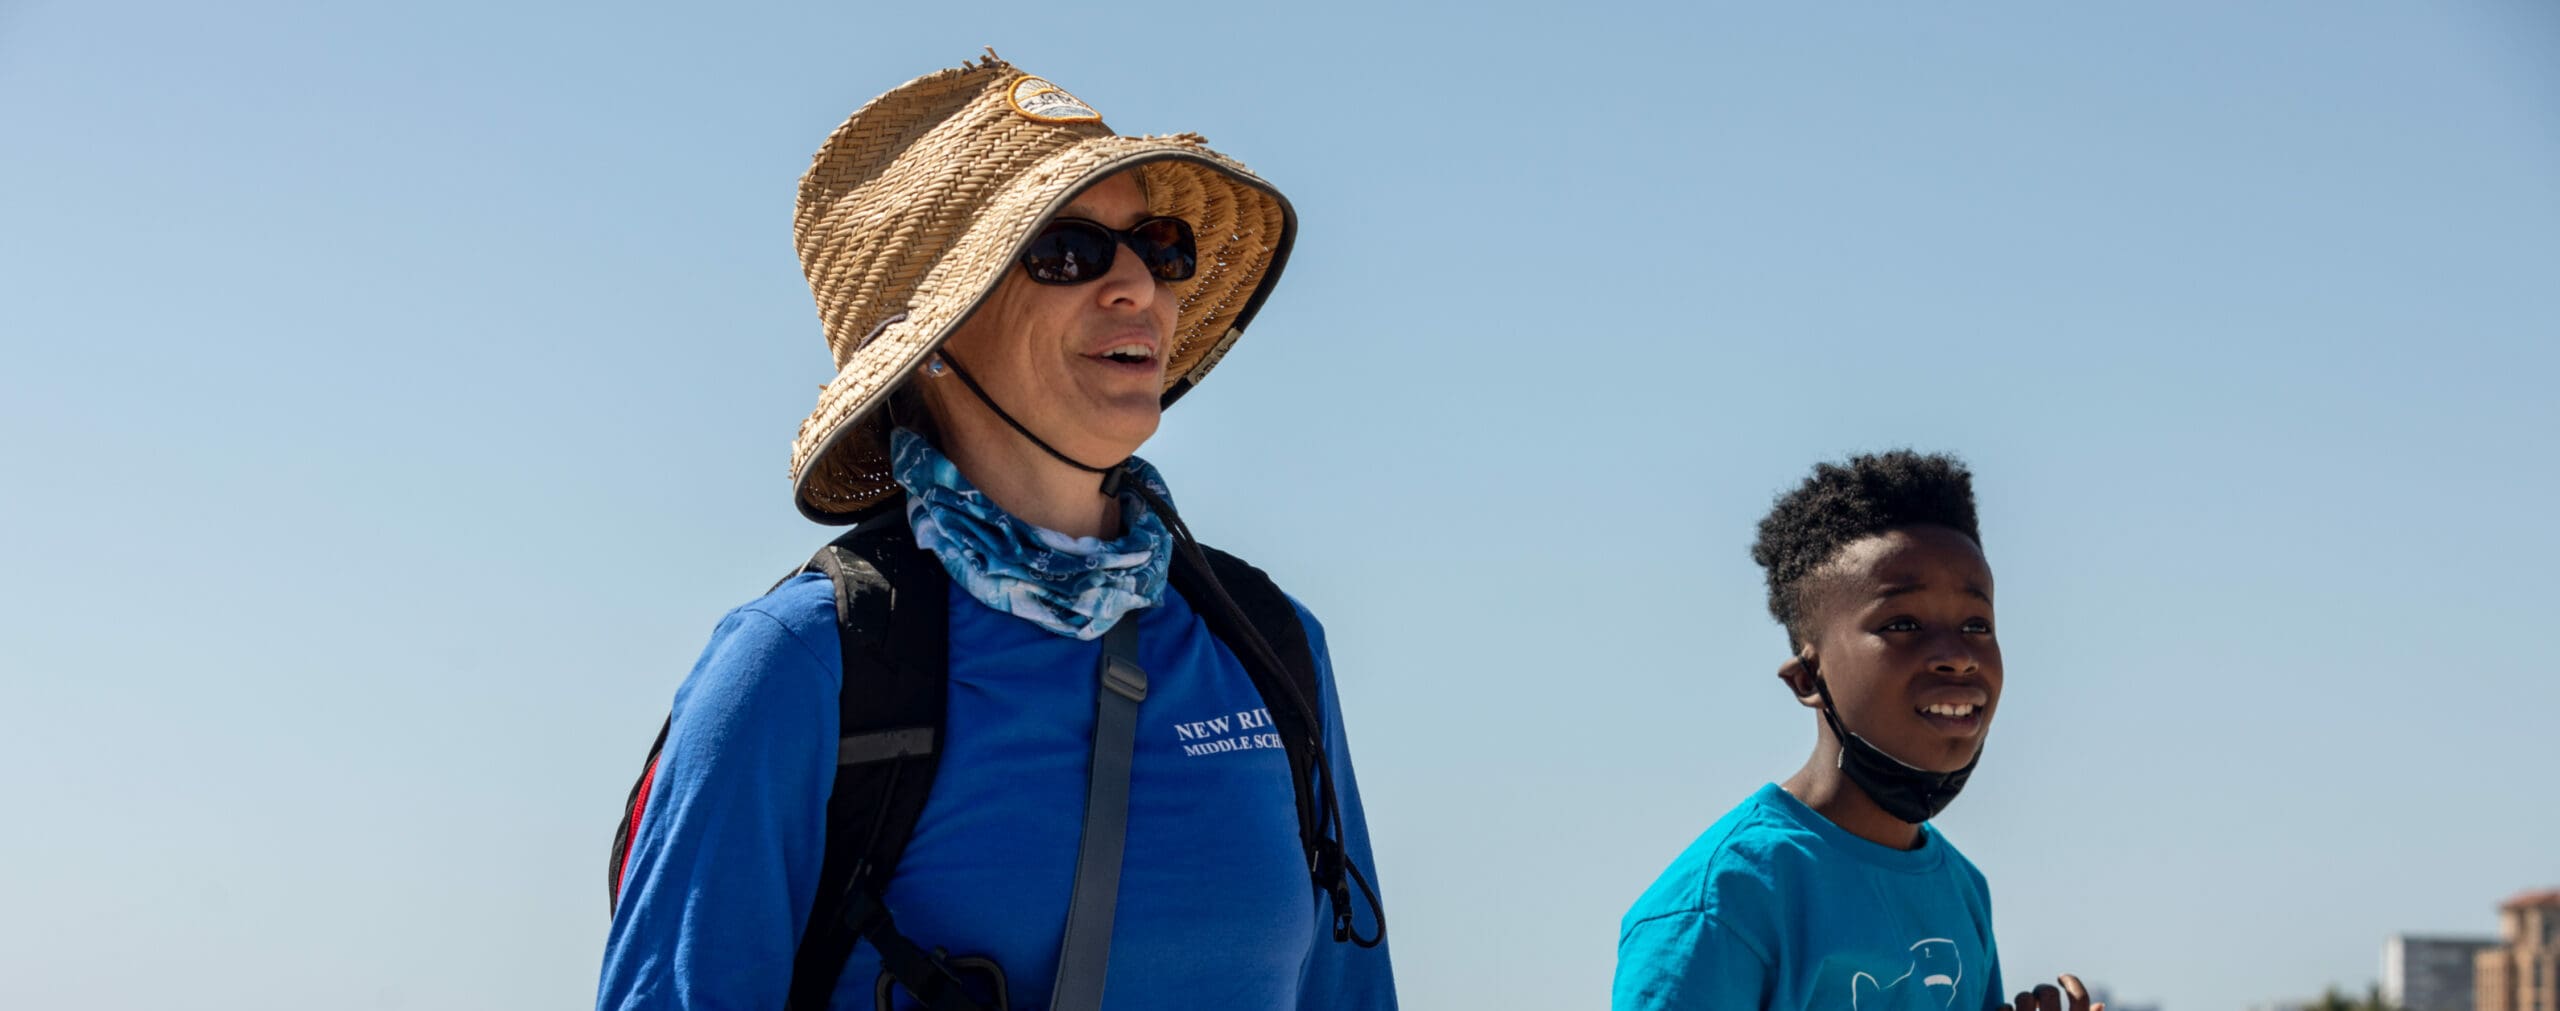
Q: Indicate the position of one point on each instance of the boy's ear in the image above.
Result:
(1798, 673)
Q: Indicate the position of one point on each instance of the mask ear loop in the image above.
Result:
(1831, 715)
(1831, 710)
(1115, 479)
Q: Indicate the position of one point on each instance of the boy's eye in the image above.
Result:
(1901, 625)
(1977, 626)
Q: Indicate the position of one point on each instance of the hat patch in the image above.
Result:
(1042, 102)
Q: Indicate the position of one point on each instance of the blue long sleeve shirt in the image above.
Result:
(1215, 907)
(1775, 907)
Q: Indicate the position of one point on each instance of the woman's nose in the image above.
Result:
(1127, 284)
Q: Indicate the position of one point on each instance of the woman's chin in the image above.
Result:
(1122, 428)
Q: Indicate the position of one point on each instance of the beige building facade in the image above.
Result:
(2522, 973)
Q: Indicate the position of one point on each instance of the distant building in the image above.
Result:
(2522, 971)
(2431, 973)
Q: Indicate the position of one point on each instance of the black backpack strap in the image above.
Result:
(893, 621)
(893, 625)
(1290, 692)
(1294, 699)
(626, 831)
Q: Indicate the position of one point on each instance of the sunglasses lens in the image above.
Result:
(1069, 252)
(1167, 247)
(1073, 251)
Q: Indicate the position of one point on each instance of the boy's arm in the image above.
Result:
(1688, 962)
(1997, 997)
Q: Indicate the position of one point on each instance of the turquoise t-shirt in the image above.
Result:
(1775, 907)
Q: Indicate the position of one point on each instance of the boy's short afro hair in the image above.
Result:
(1841, 504)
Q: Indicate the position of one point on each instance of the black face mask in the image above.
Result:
(1911, 794)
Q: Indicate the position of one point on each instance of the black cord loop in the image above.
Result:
(972, 383)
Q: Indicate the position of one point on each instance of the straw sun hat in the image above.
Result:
(916, 207)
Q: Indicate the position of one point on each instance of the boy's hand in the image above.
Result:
(2046, 998)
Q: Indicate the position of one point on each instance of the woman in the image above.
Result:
(1122, 773)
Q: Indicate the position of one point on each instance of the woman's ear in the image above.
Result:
(1800, 672)
(908, 409)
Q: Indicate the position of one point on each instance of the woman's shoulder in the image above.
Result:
(803, 607)
(782, 642)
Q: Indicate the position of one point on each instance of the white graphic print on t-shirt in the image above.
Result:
(1242, 731)
(1928, 984)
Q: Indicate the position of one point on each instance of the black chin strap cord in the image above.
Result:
(981, 392)
(1115, 479)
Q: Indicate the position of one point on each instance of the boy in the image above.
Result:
(1830, 891)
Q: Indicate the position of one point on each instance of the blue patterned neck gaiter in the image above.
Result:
(1074, 586)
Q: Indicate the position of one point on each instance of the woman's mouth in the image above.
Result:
(1133, 360)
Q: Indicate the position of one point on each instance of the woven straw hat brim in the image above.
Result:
(840, 463)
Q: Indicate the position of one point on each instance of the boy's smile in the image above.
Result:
(1904, 640)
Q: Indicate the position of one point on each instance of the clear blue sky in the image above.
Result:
(394, 396)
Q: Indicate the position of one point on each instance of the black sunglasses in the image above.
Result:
(1074, 250)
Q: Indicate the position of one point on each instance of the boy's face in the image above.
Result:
(1903, 634)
